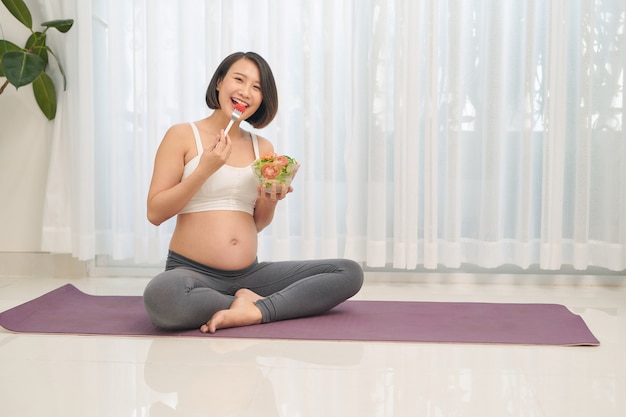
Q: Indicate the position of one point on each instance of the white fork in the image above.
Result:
(237, 112)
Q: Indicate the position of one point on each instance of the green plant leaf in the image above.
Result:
(6, 46)
(60, 69)
(21, 68)
(19, 9)
(36, 44)
(62, 25)
(45, 95)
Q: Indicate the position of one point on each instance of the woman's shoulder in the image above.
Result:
(178, 138)
(179, 132)
(180, 129)
(265, 145)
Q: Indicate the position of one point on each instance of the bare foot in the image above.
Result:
(242, 312)
(248, 294)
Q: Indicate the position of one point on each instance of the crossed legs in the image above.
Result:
(184, 298)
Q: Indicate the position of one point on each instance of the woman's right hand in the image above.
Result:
(168, 195)
(216, 155)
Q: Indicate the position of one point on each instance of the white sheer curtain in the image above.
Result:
(431, 133)
(68, 218)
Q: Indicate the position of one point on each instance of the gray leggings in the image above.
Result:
(187, 293)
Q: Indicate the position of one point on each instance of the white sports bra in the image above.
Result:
(229, 188)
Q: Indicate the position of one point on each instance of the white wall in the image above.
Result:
(24, 154)
(23, 158)
(23, 167)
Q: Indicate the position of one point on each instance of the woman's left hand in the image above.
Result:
(274, 193)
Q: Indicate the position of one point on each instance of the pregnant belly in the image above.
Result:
(219, 239)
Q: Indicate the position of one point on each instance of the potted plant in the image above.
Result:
(25, 65)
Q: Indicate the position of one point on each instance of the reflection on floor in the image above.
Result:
(49, 375)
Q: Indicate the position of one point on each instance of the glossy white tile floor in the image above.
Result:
(46, 375)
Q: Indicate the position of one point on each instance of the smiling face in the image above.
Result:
(255, 77)
(241, 84)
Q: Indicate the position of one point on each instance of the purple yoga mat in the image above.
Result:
(70, 311)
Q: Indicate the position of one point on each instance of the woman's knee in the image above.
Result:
(158, 291)
(353, 273)
(159, 299)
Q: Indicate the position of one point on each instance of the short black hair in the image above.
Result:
(269, 106)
